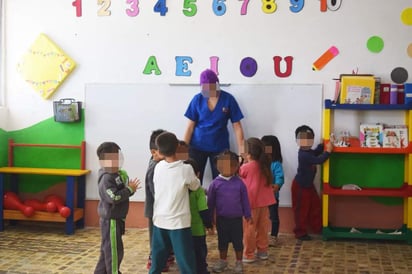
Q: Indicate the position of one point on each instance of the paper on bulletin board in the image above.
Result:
(45, 66)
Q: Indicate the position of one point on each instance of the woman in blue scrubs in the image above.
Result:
(209, 112)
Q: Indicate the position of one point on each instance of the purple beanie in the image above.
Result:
(208, 76)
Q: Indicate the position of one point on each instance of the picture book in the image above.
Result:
(395, 136)
(371, 135)
(357, 89)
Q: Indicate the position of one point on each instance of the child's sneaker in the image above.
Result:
(219, 266)
(238, 267)
(149, 265)
(171, 259)
(262, 255)
(273, 241)
(248, 260)
(166, 268)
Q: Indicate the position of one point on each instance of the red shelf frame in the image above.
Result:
(372, 150)
(405, 191)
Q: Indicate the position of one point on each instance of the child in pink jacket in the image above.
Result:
(257, 177)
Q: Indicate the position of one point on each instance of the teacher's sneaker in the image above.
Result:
(219, 266)
(273, 241)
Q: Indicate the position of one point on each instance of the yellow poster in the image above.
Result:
(45, 66)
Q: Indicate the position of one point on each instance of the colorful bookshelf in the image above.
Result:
(382, 173)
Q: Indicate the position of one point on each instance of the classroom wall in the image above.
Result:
(117, 49)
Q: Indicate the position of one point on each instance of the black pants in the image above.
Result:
(111, 249)
(274, 217)
(201, 158)
(199, 243)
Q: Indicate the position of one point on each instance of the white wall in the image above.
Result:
(115, 49)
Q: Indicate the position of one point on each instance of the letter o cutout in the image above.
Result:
(248, 66)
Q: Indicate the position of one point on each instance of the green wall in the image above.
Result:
(44, 132)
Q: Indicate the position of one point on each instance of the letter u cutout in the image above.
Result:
(288, 60)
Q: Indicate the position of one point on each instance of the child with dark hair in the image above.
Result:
(200, 220)
(171, 211)
(227, 199)
(115, 188)
(272, 149)
(257, 176)
(305, 199)
(149, 190)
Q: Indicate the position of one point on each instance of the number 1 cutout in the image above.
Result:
(78, 5)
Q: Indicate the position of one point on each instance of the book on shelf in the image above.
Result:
(385, 89)
(401, 94)
(395, 136)
(371, 135)
(357, 89)
(377, 97)
(408, 93)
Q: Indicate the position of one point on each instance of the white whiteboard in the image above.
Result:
(128, 113)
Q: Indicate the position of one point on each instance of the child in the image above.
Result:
(115, 188)
(305, 200)
(227, 199)
(258, 180)
(272, 149)
(171, 211)
(149, 190)
(200, 219)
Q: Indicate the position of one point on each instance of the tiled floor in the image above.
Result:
(33, 248)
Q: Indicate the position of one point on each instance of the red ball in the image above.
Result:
(51, 207)
(64, 212)
(28, 211)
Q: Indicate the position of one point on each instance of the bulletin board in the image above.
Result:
(128, 113)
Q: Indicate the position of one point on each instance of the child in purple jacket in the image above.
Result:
(228, 201)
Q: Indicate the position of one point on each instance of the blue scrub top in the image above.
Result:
(210, 133)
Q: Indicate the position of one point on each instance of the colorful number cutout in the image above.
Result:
(134, 8)
(161, 7)
(243, 10)
(104, 10)
(189, 7)
(78, 5)
(296, 5)
(219, 7)
(332, 5)
(269, 6)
